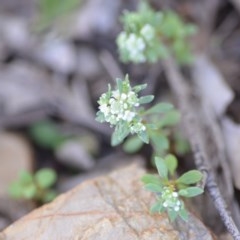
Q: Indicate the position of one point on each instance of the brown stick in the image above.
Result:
(182, 93)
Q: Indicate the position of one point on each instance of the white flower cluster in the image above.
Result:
(134, 45)
(119, 106)
(171, 199)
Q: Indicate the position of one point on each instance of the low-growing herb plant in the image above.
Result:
(122, 109)
(169, 189)
(36, 187)
(149, 36)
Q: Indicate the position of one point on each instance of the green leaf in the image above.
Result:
(181, 144)
(190, 177)
(171, 162)
(49, 196)
(146, 99)
(150, 178)
(139, 88)
(100, 117)
(144, 136)
(46, 134)
(157, 207)
(120, 133)
(132, 144)
(151, 126)
(29, 191)
(162, 51)
(119, 84)
(159, 108)
(160, 141)
(170, 119)
(191, 191)
(161, 167)
(172, 214)
(45, 177)
(25, 177)
(183, 214)
(15, 190)
(152, 187)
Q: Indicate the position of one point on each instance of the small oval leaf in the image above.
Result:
(132, 144)
(161, 167)
(45, 177)
(191, 191)
(159, 108)
(146, 99)
(152, 187)
(144, 136)
(156, 207)
(171, 162)
(172, 214)
(183, 214)
(190, 177)
(160, 141)
(149, 178)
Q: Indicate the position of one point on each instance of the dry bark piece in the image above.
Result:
(112, 207)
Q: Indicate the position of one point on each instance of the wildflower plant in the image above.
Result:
(149, 36)
(122, 108)
(169, 189)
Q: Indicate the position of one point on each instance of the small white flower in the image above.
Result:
(123, 96)
(119, 106)
(176, 209)
(115, 107)
(170, 199)
(178, 203)
(125, 105)
(175, 194)
(104, 108)
(128, 116)
(165, 204)
(137, 128)
(116, 94)
(134, 46)
(148, 32)
(140, 44)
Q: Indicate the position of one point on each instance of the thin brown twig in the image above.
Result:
(181, 91)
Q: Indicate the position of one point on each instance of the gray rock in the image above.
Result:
(22, 86)
(104, 20)
(57, 54)
(73, 153)
(88, 64)
(15, 156)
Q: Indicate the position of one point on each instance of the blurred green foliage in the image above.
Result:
(47, 135)
(36, 187)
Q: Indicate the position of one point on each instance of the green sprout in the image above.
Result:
(149, 36)
(35, 187)
(170, 191)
